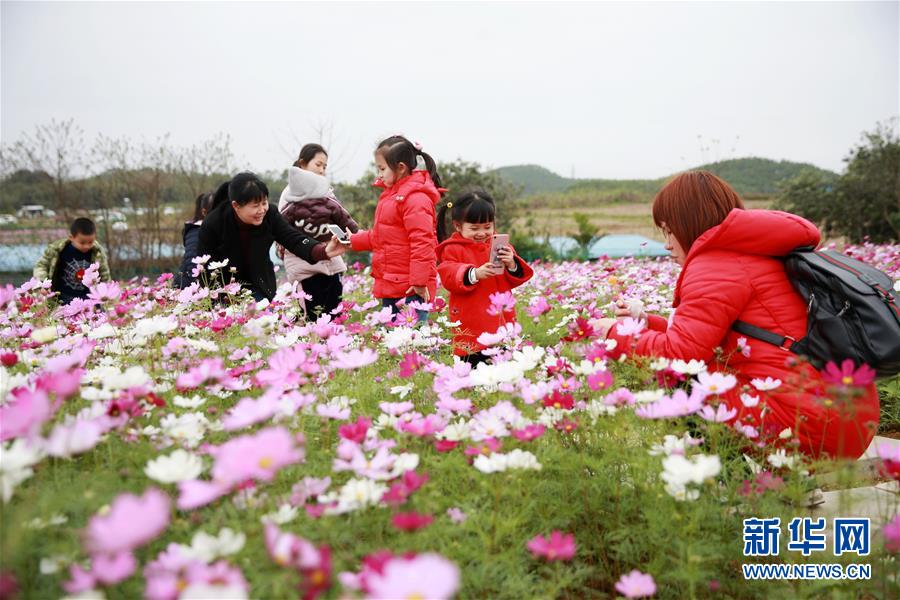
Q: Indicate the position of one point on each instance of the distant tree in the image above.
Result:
(587, 232)
(864, 202)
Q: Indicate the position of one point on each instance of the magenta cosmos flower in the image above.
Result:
(636, 585)
(848, 375)
(131, 522)
(559, 546)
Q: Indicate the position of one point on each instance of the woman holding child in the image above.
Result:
(731, 271)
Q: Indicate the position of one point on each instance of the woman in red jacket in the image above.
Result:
(470, 277)
(402, 239)
(731, 271)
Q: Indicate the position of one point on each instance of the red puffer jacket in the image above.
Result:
(731, 273)
(469, 303)
(403, 237)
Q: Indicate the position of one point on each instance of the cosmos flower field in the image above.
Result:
(167, 443)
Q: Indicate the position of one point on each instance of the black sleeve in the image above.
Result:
(191, 250)
(206, 238)
(295, 242)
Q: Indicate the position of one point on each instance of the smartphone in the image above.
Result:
(339, 233)
(498, 241)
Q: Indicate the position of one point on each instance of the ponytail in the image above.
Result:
(220, 196)
(470, 206)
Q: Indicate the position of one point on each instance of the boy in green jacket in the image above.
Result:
(65, 261)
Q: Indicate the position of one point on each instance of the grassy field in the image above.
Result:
(614, 217)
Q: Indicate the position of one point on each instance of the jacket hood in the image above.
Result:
(456, 240)
(759, 232)
(303, 185)
(755, 232)
(417, 181)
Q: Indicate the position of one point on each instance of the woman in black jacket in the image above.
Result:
(191, 236)
(243, 230)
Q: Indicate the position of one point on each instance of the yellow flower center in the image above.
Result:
(265, 462)
(557, 405)
(317, 577)
(415, 596)
(714, 388)
(847, 380)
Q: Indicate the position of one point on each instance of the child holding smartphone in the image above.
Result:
(468, 273)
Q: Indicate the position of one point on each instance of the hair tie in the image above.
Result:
(418, 146)
(449, 205)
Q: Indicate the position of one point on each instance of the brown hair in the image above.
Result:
(307, 153)
(693, 202)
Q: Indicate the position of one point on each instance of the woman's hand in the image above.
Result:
(420, 291)
(488, 269)
(335, 247)
(602, 326)
(506, 256)
(633, 308)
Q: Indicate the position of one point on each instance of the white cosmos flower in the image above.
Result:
(188, 428)
(150, 326)
(285, 514)
(355, 494)
(208, 547)
(213, 265)
(766, 384)
(16, 460)
(781, 459)
(496, 462)
(44, 334)
(192, 402)
(749, 401)
(646, 396)
(692, 367)
(404, 462)
(402, 390)
(103, 331)
(715, 383)
(131, 378)
(679, 471)
(207, 591)
(178, 466)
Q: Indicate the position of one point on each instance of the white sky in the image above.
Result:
(609, 90)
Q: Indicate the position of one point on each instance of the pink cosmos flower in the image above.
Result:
(501, 302)
(630, 327)
(600, 380)
(331, 411)
(456, 515)
(620, 397)
(529, 432)
(250, 411)
(423, 576)
(559, 546)
(256, 456)
(354, 359)
(537, 306)
(105, 290)
(110, 569)
(24, 414)
(131, 522)
(679, 404)
(209, 369)
(396, 408)
(636, 585)
(721, 414)
(890, 456)
(848, 375)
(891, 533)
(486, 447)
(424, 426)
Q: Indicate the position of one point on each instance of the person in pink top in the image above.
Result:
(402, 239)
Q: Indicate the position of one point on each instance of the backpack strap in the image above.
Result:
(785, 342)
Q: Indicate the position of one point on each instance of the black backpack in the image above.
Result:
(853, 312)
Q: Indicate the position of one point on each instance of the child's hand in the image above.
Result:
(506, 256)
(488, 269)
(633, 308)
(420, 291)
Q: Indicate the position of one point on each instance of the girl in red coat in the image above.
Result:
(470, 277)
(731, 271)
(402, 239)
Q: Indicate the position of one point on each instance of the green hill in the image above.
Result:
(749, 176)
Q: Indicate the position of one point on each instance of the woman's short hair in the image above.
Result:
(693, 202)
